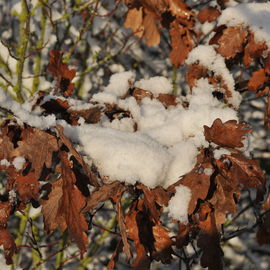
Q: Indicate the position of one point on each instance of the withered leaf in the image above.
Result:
(224, 198)
(208, 14)
(50, 207)
(62, 73)
(27, 187)
(6, 239)
(102, 194)
(253, 49)
(209, 240)
(197, 181)
(194, 73)
(134, 21)
(257, 79)
(123, 229)
(229, 47)
(139, 94)
(243, 170)
(168, 99)
(151, 28)
(140, 231)
(6, 145)
(182, 43)
(65, 140)
(163, 244)
(64, 206)
(38, 146)
(228, 134)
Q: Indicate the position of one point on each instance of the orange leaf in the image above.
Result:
(182, 43)
(257, 80)
(209, 14)
(228, 134)
(151, 28)
(134, 21)
(229, 47)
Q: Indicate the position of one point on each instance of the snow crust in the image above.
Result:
(252, 15)
(207, 56)
(178, 205)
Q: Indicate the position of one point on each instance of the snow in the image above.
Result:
(120, 83)
(252, 15)
(18, 162)
(4, 162)
(207, 56)
(178, 205)
(157, 85)
(218, 153)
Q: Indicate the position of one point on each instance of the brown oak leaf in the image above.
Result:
(182, 43)
(27, 187)
(6, 239)
(257, 80)
(62, 73)
(228, 134)
(229, 47)
(134, 21)
(197, 180)
(37, 146)
(208, 14)
(243, 170)
(64, 206)
(209, 240)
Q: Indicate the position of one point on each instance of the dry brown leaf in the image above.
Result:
(182, 43)
(140, 231)
(245, 171)
(257, 80)
(64, 205)
(224, 199)
(194, 73)
(102, 194)
(27, 187)
(134, 21)
(151, 33)
(228, 134)
(208, 14)
(6, 239)
(229, 47)
(6, 145)
(123, 228)
(37, 146)
(163, 244)
(139, 94)
(196, 180)
(168, 99)
(209, 240)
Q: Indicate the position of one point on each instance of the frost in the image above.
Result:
(178, 205)
(208, 171)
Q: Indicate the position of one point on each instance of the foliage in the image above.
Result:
(44, 160)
